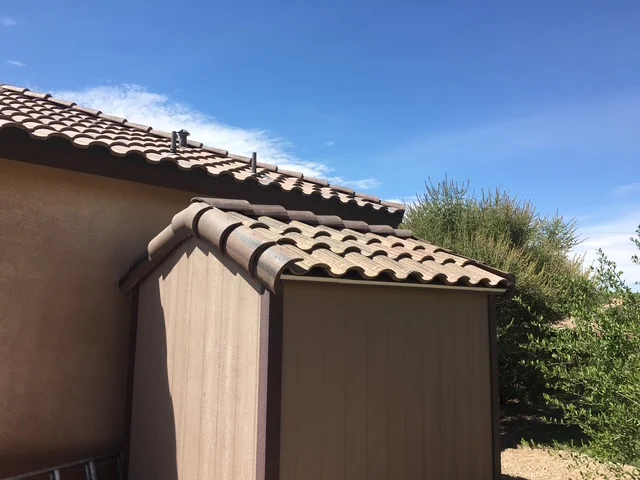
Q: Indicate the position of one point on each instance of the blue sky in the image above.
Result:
(541, 98)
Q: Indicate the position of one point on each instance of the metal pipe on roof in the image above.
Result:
(174, 140)
(254, 162)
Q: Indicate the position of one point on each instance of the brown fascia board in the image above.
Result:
(16, 144)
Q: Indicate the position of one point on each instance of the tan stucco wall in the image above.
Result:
(195, 400)
(385, 383)
(65, 239)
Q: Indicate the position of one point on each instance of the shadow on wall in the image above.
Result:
(196, 375)
(153, 449)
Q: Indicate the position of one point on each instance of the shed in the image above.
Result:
(281, 344)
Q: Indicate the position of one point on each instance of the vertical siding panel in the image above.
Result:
(415, 345)
(169, 305)
(356, 399)
(449, 451)
(228, 398)
(395, 372)
(332, 440)
(247, 386)
(181, 348)
(195, 351)
(483, 446)
(210, 312)
(150, 376)
(310, 360)
(474, 367)
(464, 397)
(290, 396)
(211, 374)
(377, 392)
(431, 333)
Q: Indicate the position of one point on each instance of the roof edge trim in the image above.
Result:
(382, 283)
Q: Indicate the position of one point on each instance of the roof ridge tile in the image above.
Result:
(90, 111)
(113, 118)
(62, 103)
(15, 89)
(220, 151)
(42, 96)
(137, 126)
(280, 213)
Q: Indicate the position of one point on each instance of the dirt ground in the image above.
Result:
(525, 463)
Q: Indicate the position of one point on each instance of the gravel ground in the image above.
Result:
(534, 464)
(525, 463)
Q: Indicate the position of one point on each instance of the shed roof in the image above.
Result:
(268, 240)
(42, 116)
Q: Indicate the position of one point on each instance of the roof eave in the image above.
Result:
(497, 290)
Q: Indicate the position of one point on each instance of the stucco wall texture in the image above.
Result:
(65, 239)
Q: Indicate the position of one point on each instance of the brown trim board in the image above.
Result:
(495, 386)
(133, 335)
(269, 385)
(15, 144)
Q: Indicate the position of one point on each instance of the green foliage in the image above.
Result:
(593, 373)
(507, 233)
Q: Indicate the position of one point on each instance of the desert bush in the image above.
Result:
(592, 367)
(507, 233)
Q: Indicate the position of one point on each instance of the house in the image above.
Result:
(84, 193)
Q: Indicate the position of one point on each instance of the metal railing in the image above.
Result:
(90, 472)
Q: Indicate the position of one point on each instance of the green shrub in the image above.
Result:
(593, 374)
(504, 232)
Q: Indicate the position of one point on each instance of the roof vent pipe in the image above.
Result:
(174, 139)
(254, 162)
(183, 134)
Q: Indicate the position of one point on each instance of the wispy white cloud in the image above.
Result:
(164, 113)
(329, 143)
(612, 236)
(16, 63)
(405, 200)
(362, 184)
(627, 190)
(8, 21)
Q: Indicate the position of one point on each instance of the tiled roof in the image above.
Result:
(268, 241)
(43, 116)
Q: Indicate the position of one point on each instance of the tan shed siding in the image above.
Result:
(65, 239)
(385, 383)
(196, 374)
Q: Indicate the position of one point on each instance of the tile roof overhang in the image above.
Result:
(267, 241)
(43, 117)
